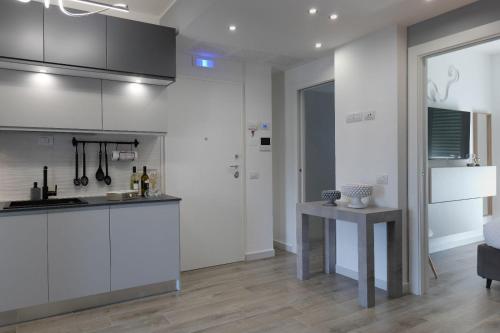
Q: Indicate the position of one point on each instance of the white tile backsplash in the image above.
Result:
(22, 160)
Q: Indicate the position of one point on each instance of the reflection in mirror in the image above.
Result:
(482, 148)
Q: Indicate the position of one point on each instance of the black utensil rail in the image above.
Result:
(135, 143)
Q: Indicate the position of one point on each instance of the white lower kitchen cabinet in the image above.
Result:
(23, 260)
(79, 253)
(144, 244)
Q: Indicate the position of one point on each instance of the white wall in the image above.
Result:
(307, 75)
(460, 223)
(278, 112)
(259, 192)
(368, 76)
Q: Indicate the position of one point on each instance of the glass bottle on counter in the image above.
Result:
(145, 183)
(135, 180)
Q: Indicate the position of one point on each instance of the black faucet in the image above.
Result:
(45, 189)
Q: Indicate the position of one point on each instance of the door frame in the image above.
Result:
(301, 137)
(417, 144)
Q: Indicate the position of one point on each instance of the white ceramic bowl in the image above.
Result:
(357, 192)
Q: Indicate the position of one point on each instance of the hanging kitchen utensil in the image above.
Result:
(107, 179)
(84, 180)
(76, 181)
(99, 175)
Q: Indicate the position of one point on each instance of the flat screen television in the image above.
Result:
(449, 134)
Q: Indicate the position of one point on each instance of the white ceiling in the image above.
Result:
(282, 32)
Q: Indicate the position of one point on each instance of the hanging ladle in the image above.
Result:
(84, 180)
(99, 175)
(107, 179)
(76, 181)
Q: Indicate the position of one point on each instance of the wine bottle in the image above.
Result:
(134, 180)
(145, 183)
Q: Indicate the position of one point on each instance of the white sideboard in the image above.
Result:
(462, 183)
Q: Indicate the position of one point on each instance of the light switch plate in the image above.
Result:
(354, 117)
(254, 175)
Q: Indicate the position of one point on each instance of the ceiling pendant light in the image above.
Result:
(118, 7)
(103, 7)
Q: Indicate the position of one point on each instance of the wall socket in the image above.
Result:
(46, 140)
(383, 180)
(370, 115)
(354, 117)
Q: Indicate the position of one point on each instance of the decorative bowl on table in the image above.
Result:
(357, 192)
(330, 197)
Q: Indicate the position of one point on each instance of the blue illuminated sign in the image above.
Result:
(204, 63)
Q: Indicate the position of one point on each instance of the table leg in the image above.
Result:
(330, 246)
(366, 265)
(395, 259)
(302, 246)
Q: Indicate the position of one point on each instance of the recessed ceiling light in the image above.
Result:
(318, 45)
(334, 16)
(313, 11)
(25, 1)
(232, 27)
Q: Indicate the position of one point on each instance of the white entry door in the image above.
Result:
(204, 167)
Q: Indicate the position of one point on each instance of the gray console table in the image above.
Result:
(365, 219)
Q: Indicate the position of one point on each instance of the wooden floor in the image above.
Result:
(264, 296)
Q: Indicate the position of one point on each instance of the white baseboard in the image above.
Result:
(453, 241)
(381, 284)
(251, 256)
(283, 246)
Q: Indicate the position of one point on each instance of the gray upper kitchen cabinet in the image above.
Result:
(75, 41)
(35, 100)
(141, 48)
(144, 245)
(134, 107)
(21, 30)
(78, 253)
(23, 261)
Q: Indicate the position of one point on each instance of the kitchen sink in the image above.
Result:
(46, 203)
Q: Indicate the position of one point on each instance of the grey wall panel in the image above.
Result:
(461, 19)
(75, 41)
(21, 30)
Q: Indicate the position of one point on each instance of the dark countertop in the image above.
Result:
(92, 202)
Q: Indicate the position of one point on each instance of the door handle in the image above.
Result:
(236, 170)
